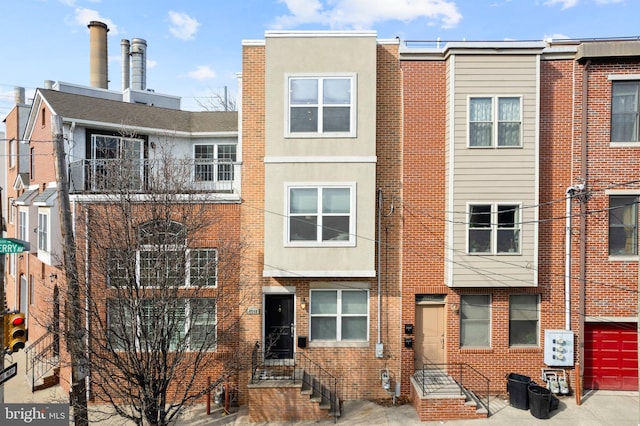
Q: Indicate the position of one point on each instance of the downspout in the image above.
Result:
(567, 258)
(379, 238)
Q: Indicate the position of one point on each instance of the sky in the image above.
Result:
(194, 46)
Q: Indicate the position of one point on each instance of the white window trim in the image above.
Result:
(494, 228)
(47, 221)
(490, 327)
(187, 325)
(23, 225)
(351, 242)
(338, 342)
(494, 121)
(529, 345)
(306, 135)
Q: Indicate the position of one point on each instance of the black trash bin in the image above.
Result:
(539, 401)
(517, 386)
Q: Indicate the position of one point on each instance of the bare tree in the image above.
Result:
(219, 100)
(161, 287)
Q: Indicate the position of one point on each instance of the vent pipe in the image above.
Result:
(124, 45)
(138, 64)
(98, 75)
(18, 95)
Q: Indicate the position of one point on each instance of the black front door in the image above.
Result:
(278, 319)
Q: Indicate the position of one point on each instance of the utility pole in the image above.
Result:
(74, 311)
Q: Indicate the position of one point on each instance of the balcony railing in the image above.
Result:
(116, 175)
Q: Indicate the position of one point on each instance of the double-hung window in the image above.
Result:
(23, 224)
(625, 121)
(495, 121)
(214, 162)
(494, 228)
(321, 215)
(43, 231)
(321, 105)
(339, 315)
(155, 325)
(523, 320)
(475, 320)
(623, 225)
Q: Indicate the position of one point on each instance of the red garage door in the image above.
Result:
(611, 356)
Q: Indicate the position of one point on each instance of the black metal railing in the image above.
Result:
(463, 378)
(109, 175)
(300, 368)
(42, 356)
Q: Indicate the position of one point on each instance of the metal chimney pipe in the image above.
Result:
(18, 95)
(126, 73)
(98, 75)
(138, 64)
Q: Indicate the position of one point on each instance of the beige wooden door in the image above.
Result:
(429, 344)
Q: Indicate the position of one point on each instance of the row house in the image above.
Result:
(140, 170)
(487, 222)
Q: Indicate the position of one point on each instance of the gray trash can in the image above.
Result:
(539, 401)
(517, 387)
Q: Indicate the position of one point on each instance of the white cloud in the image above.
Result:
(84, 16)
(183, 26)
(566, 4)
(362, 14)
(557, 36)
(203, 72)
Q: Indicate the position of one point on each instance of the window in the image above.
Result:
(321, 105)
(32, 163)
(624, 111)
(487, 236)
(162, 260)
(116, 160)
(13, 153)
(339, 315)
(475, 320)
(623, 225)
(22, 226)
(11, 209)
(214, 162)
(321, 215)
(43, 231)
(495, 121)
(523, 320)
(145, 325)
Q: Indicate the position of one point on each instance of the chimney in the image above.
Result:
(98, 75)
(138, 64)
(18, 95)
(124, 45)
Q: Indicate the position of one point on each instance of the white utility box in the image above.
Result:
(558, 348)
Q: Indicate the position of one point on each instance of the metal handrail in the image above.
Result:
(465, 376)
(38, 354)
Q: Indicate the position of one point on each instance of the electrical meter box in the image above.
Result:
(558, 348)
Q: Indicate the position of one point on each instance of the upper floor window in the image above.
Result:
(624, 111)
(162, 260)
(321, 106)
(214, 162)
(13, 153)
(623, 225)
(43, 231)
(23, 223)
(339, 315)
(322, 214)
(495, 121)
(494, 228)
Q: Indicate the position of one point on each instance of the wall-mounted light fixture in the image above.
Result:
(303, 303)
(455, 308)
(53, 276)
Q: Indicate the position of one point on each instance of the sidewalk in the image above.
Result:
(597, 408)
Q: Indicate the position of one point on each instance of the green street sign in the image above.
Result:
(9, 246)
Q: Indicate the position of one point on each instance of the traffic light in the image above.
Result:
(15, 334)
